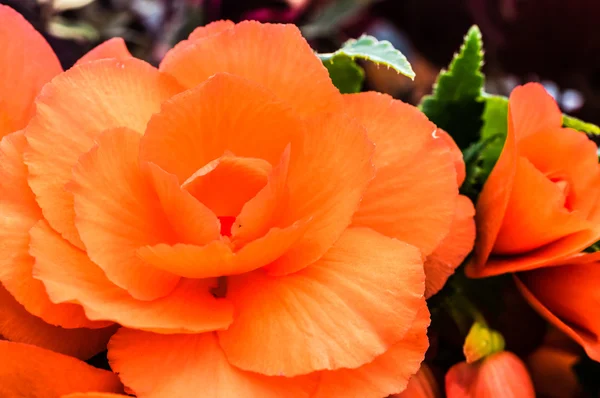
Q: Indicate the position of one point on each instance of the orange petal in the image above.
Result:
(16, 324)
(117, 211)
(275, 56)
(493, 201)
(227, 183)
(201, 32)
(192, 365)
(459, 163)
(568, 157)
(33, 372)
(18, 213)
(329, 169)
(565, 295)
(93, 395)
(113, 93)
(226, 113)
(266, 208)
(552, 372)
(547, 255)
(218, 259)
(69, 276)
(535, 214)
(191, 221)
(388, 374)
(413, 195)
(212, 28)
(340, 312)
(27, 62)
(500, 375)
(421, 385)
(532, 110)
(112, 48)
(451, 252)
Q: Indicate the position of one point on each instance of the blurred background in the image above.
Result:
(555, 42)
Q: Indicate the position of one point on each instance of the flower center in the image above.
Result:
(565, 188)
(224, 185)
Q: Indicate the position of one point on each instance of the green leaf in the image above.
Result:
(456, 104)
(580, 125)
(495, 124)
(495, 116)
(346, 75)
(370, 49)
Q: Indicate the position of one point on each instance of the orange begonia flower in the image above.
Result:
(540, 203)
(27, 63)
(567, 295)
(27, 371)
(500, 375)
(421, 385)
(255, 232)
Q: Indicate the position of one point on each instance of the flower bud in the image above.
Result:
(501, 375)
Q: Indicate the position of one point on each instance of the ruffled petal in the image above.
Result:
(190, 220)
(117, 211)
(225, 114)
(567, 296)
(192, 365)
(112, 93)
(93, 395)
(533, 110)
(451, 252)
(33, 372)
(459, 163)
(69, 276)
(275, 56)
(18, 213)
(218, 258)
(212, 28)
(568, 158)
(388, 374)
(27, 62)
(340, 312)
(112, 48)
(329, 170)
(18, 325)
(413, 195)
(227, 183)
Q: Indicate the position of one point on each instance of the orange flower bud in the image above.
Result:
(501, 375)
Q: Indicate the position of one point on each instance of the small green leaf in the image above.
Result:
(580, 125)
(370, 49)
(456, 103)
(482, 342)
(346, 75)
